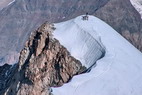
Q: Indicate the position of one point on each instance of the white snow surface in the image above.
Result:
(138, 5)
(79, 42)
(119, 72)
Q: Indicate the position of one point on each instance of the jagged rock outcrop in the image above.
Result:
(43, 63)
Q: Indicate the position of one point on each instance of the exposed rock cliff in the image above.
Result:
(43, 63)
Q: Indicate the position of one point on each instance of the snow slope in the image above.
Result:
(119, 72)
(138, 5)
(79, 42)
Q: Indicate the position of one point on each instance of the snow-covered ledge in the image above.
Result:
(79, 41)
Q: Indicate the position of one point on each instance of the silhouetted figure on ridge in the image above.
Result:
(85, 17)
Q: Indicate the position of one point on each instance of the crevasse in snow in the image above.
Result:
(119, 72)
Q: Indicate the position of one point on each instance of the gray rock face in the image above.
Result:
(6, 72)
(4, 3)
(23, 16)
(123, 17)
(43, 63)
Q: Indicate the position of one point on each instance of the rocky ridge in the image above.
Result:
(43, 63)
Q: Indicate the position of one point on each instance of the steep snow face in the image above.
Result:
(79, 42)
(138, 5)
(117, 73)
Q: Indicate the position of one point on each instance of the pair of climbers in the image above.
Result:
(86, 17)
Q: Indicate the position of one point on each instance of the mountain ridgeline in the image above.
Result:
(23, 16)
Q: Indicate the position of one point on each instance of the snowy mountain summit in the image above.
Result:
(118, 64)
(88, 54)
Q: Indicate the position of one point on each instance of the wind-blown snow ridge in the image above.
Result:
(80, 43)
(117, 73)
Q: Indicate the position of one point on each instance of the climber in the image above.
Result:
(85, 17)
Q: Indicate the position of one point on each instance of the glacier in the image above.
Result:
(118, 64)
